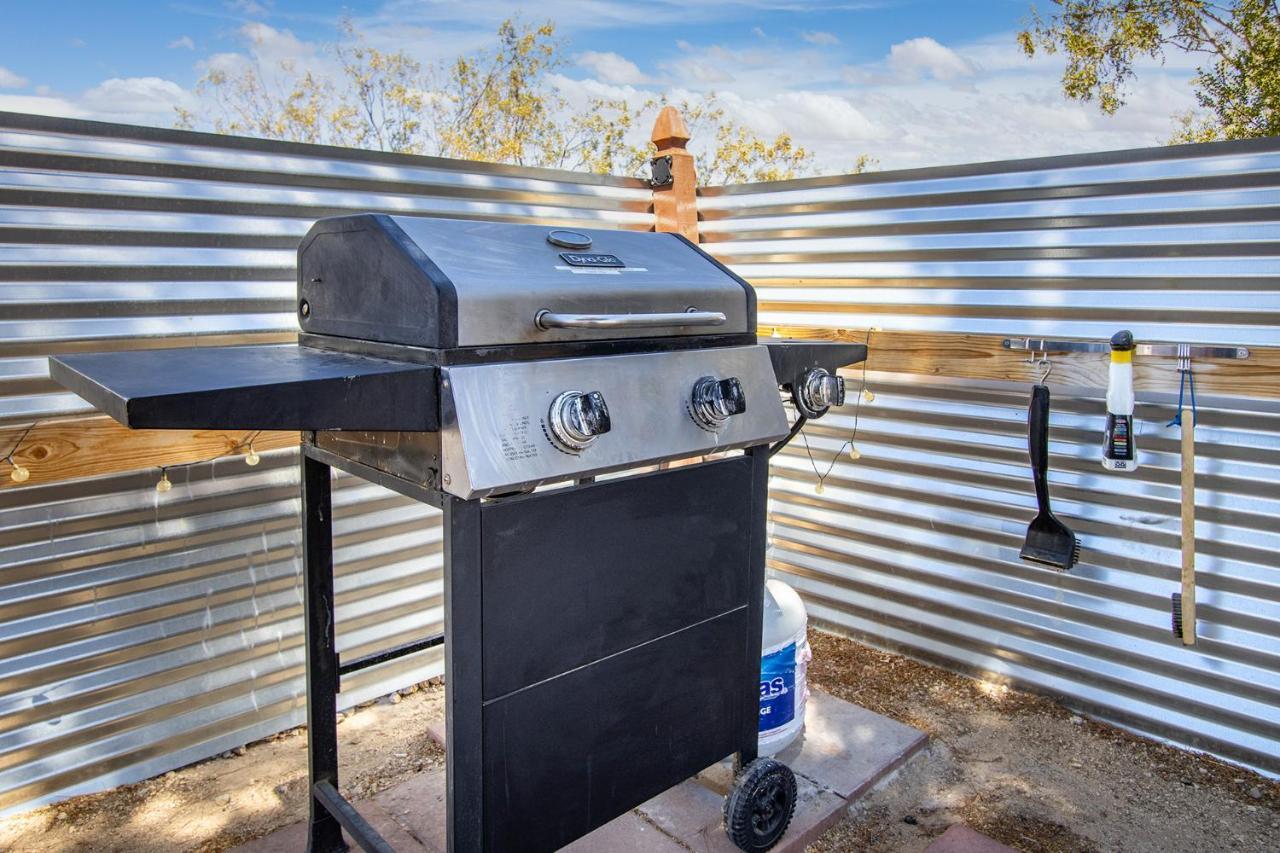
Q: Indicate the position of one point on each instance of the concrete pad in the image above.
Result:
(293, 838)
(847, 748)
(844, 751)
(625, 834)
(961, 839)
(420, 805)
(817, 810)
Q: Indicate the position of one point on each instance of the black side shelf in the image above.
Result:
(253, 387)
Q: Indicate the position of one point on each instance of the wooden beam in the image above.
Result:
(961, 356)
(675, 207)
(67, 449)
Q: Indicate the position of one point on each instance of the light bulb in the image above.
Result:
(252, 458)
(19, 474)
(776, 333)
(164, 485)
(867, 396)
(819, 489)
(854, 454)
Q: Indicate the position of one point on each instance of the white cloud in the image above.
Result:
(184, 42)
(611, 68)
(757, 32)
(820, 38)
(248, 7)
(916, 56)
(271, 45)
(145, 100)
(41, 105)
(9, 80)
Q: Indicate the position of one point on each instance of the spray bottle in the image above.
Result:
(1119, 450)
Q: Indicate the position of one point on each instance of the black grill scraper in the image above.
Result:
(1049, 541)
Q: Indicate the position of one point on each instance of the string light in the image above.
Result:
(854, 454)
(18, 472)
(251, 458)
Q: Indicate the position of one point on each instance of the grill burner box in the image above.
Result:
(602, 637)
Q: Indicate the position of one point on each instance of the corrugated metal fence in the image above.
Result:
(915, 544)
(138, 631)
(141, 631)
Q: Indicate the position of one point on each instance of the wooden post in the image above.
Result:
(675, 207)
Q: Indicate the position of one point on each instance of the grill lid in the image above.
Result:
(444, 283)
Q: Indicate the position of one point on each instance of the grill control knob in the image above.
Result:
(819, 391)
(716, 400)
(576, 418)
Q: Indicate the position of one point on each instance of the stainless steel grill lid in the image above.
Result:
(444, 283)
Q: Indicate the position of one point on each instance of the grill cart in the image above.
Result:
(602, 633)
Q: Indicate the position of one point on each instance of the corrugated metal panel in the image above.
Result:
(915, 544)
(139, 632)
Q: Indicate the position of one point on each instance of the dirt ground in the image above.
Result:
(245, 794)
(1031, 774)
(1017, 767)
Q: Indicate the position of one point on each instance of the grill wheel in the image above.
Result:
(761, 804)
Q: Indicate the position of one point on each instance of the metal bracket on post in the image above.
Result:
(660, 169)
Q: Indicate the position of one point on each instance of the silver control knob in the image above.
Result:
(821, 390)
(716, 400)
(576, 418)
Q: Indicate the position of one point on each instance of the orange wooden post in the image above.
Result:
(675, 206)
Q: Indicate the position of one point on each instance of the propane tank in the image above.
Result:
(784, 659)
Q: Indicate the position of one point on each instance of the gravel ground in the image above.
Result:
(1031, 774)
(1017, 767)
(223, 802)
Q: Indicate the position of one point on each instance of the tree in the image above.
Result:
(498, 105)
(1238, 86)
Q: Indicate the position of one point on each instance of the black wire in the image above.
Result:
(853, 435)
(235, 449)
(18, 444)
(801, 420)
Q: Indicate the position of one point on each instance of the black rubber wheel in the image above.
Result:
(759, 808)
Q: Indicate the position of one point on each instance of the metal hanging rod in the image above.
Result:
(1170, 350)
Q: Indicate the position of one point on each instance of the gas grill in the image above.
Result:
(602, 633)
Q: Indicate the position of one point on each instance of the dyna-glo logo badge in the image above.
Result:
(591, 259)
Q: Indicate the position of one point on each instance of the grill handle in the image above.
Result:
(545, 319)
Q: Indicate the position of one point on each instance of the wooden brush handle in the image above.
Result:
(1188, 527)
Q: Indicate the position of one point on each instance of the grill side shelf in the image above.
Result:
(278, 387)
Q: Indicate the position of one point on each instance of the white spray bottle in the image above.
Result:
(1119, 449)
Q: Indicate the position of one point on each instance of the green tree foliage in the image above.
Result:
(1238, 86)
(497, 105)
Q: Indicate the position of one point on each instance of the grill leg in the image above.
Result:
(749, 749)
(464, 766)
(325, 834)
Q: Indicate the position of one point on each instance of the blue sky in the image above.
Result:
(911, 82)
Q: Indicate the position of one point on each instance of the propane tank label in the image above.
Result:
(778, 688)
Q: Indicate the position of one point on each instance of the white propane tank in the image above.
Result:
(784, 659)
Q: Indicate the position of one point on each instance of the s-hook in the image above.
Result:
(1041, 360)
